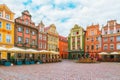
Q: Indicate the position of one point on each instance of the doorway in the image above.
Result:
(8, 56)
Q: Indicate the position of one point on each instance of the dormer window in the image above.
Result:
(7, 16)
(0, 14)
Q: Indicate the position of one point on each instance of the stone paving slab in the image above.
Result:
(66, 70)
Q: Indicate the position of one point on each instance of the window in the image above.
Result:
(7, 16)
(105, 47)
(40, 36)
(97, 38)
(111, 39)
(105, 32)
(8, 38)
(45, 46)
(111, 31)
(87, 47)
(26, 21)
(74, 33)
(92, 47)
(19, 39)
(0, 24)
(112, 47)
(97, 47)
(33, 42)
(44, 37)
(118, 38)
(87, 39)
(27, 40)
(92, 32)
(40, 45)
(27, 30)
(118, 30)
(19, 55)
(0, 37)
(78, 39)
(92, 39)
(73, 39)
(33, 32)
(20, 29)
(8, 26)
(118, 46)
(105, 39)
(0, 14)
(40, 29)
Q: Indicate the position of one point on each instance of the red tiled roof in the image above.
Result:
(62, 38)
(46, 28)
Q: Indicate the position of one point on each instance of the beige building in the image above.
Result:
(53, 38)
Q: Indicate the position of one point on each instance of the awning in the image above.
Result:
(114, 53)
(103, 53)
(31, 51)
(2, 49)
(15, 49)
(53, 52)
(43, 51)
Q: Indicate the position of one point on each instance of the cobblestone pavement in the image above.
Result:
(65, 70)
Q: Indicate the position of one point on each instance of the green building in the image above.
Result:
(76, 42)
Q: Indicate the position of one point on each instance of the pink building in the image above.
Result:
(42, 37)
(25, 31)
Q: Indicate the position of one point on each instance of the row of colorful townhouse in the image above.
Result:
(104, 43)
(22, 32)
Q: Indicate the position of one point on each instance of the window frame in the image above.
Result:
(8, 27)
(8, 40)
(1, 37)
(0, 24)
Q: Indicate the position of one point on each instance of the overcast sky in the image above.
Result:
(65, 13)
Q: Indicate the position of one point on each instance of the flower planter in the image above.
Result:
(7, 64)
(19, 63)
(27, 62)
(32, 62)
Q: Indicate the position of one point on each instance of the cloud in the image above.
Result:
(65, 13)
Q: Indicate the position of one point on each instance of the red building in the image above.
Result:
(63, 47)
(111, 37)
(25, 31)
(111, 41)
(42, 37)
(93, 40)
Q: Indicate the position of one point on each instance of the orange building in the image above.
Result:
(63, 47)
(93, 40)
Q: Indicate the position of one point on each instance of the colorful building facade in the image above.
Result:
(6, 29)
(52, 38)
(76, 42)
(93, 40)
(26, 33)
(111, 40)
(42, 37)
(63, 47)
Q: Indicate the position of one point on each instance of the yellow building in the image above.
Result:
(53, 38)
(6, 29)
